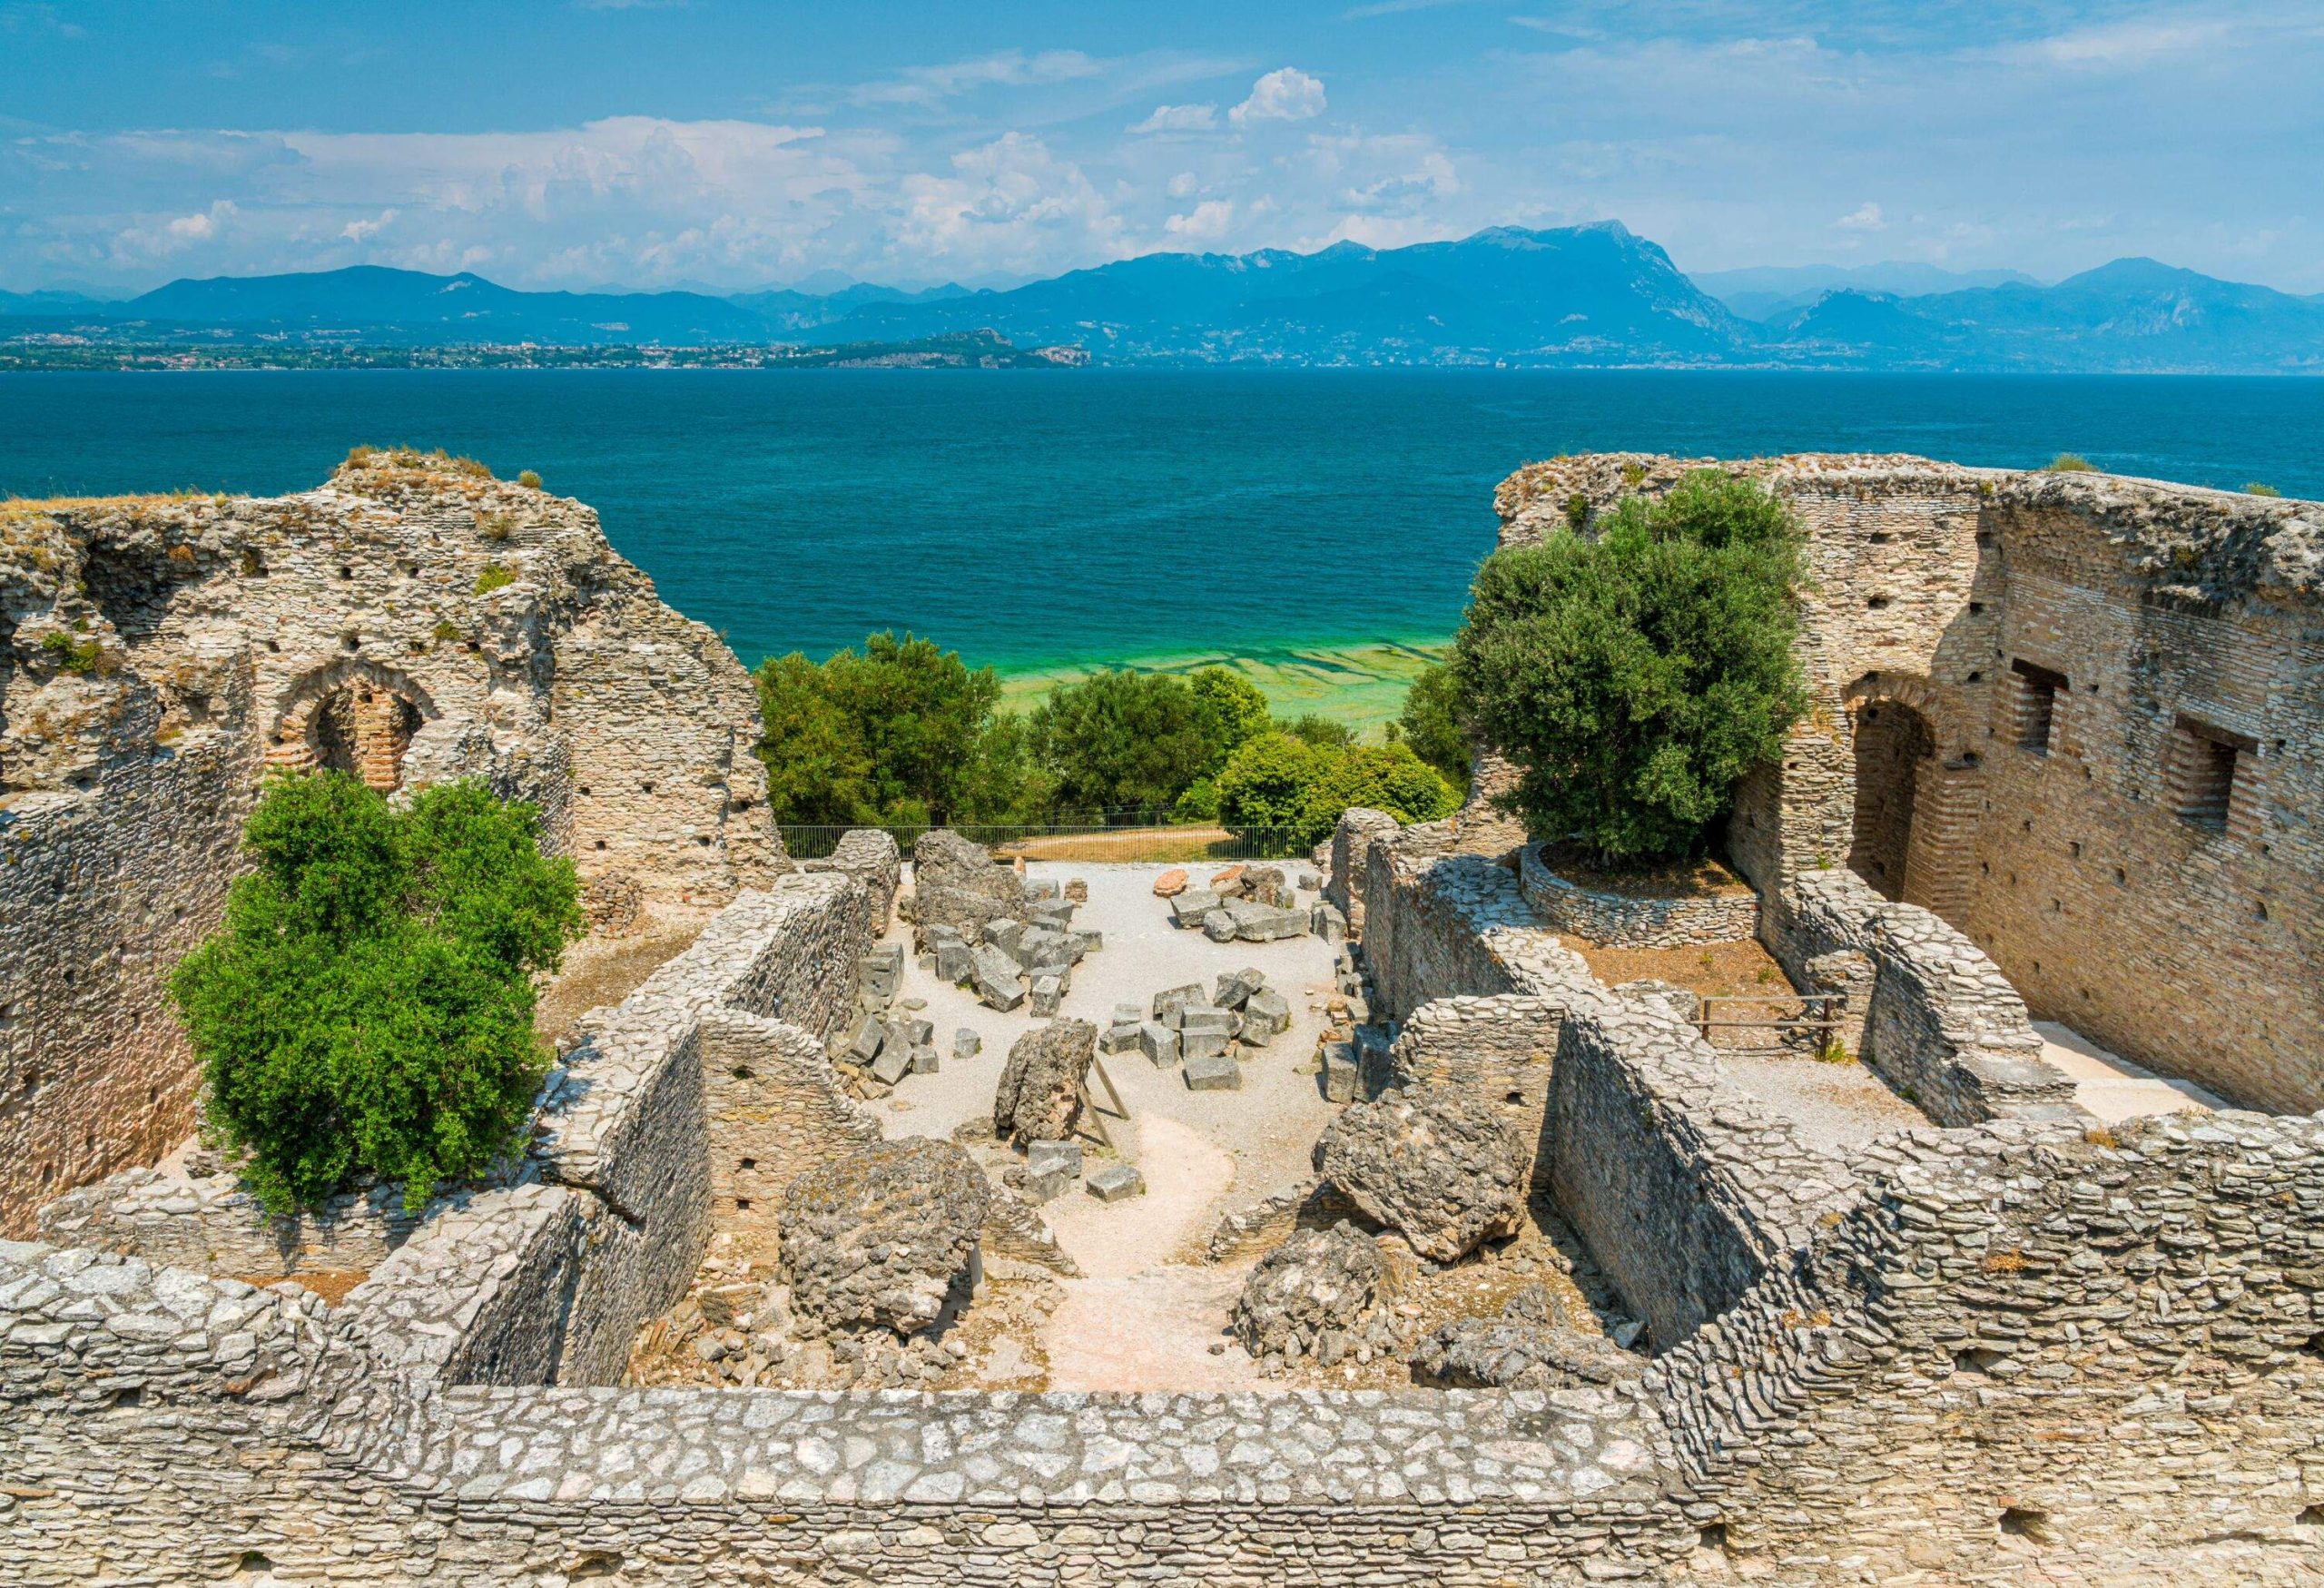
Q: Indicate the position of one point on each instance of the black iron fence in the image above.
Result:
(1078, 841)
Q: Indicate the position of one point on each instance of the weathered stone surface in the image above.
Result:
(955, 884)
(965, 1043)
(1256, 922)
(1343, 1075)
(1202, 1044)
(1207, 1071)
(1049, 992)
(1531, 1345)
(1040, 1095)
(1048, 1157)
(1267, 1013)
(881, 1238)
(998, 983)
(1170, 1005)
(1319, 1282)
(1189, 907)
(1158, 1042)
(1218, 926)
(1115, 1182)
(1236, 987)
(1446, 1168)
(1170, 884)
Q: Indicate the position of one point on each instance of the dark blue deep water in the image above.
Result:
(1036, 518)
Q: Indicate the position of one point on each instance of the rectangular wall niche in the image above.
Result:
(2199, 776)
(2035, 701)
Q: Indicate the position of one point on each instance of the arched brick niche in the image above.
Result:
(352, 716)
(1918, 793)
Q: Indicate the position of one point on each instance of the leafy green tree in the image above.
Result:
(367, 1004)
(1382, 777)
(1119, 740)
(887, 735)
(1321, 732)
(1636, 675)
(1232, 708)
(1430, 724)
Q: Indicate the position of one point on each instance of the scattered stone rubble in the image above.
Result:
(1446, 1168)
(1205, 1032)
(1529, 1346)
(1009, 955)
(1243, 903)
(885, 1236)
(1316, 1295)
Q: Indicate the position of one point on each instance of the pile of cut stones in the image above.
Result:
(888, 1039)
(1248, 904)
(1012, 959)
(1353, 1051)
(1204, 1033)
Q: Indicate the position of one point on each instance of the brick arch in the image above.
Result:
(1916, 805)
(355, 714)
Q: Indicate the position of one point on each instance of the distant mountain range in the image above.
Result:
(1579, 297)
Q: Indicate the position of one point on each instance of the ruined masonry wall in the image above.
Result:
(207, 639)
(775, 1109)
(1499, 1049)
(2189, 943)
(211, 1225)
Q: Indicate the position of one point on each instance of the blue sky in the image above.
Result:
(658, 143)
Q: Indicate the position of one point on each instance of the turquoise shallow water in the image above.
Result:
(1041, 519)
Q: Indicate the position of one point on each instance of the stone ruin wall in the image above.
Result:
(2022, 1352)
(157, 655)
(2195, 946)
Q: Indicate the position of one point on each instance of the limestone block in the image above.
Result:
(1158, 1042)
(1115, 1182)
(1267, 1013)
(1213, 1072)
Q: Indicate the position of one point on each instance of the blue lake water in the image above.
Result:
(1040, 518)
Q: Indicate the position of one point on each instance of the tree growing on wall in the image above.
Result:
(1636, 675)
(366, 1006)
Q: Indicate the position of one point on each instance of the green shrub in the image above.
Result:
(1634, 676)
(84, 658)
(366, 1007)
(529, 480)
(493, 576)
(2069, 463)
(1231, 709)
(1430, 724)
(1279, 781)
(2256, 489)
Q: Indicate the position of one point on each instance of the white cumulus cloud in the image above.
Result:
(1865, 217)
(1284, 95)
(1205, 222)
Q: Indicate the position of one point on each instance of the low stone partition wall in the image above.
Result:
(1443, 925)
(1685, 1189)
(1351, 861)
(1622, 920)
(870, 855)
(1945, 1026)
(208, 1223)
(2030, 1352)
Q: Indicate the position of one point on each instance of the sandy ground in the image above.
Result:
(1140, 1319)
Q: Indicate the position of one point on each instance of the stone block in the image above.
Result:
(1170, 884)
(869, 1037)
(1310, 882)
(1047, 1188)
(1219, 1022)
(880, 972)
(965, 1043)
(1265, 922)
(1115, 1182)
(1158, 1042)
(1213, 1072)
(1045, 889)
(1005, 935)
(1120, 1037)
(1236, 986)
(923, 1060)
(1267, 1013)
(1056, 917)
(1188, 908)
(919, 1033)
(893, 1065)
(1168, 1003)
(1076, 891)
(1086, 940)
(1326, 922)
(1340, 1072)
(955, 962)
(1218, 926)
(1048, 993)
(1192, 1045)
(1043, 1158)
(1129, 1014)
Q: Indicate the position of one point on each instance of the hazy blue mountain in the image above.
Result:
(2133, 314)
(1762, 291)
(16, 304)
(410, 305)
(794, 309)
(1581, 295)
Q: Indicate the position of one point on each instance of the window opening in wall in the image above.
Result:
(2037, 692)
(2199, 775)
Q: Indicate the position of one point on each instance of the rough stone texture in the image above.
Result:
(955, 883)
(884, 1235)
(1499, 1049)
(1622, 920)
(773, 1109)
(1446, 1168)
(211, 1225)
(1481, 826)
(1039, 1096)
(2077, 840)
(870, 855)
(1319, 1282)
(1344, 881)
(343, 625)
(1528, 1347)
